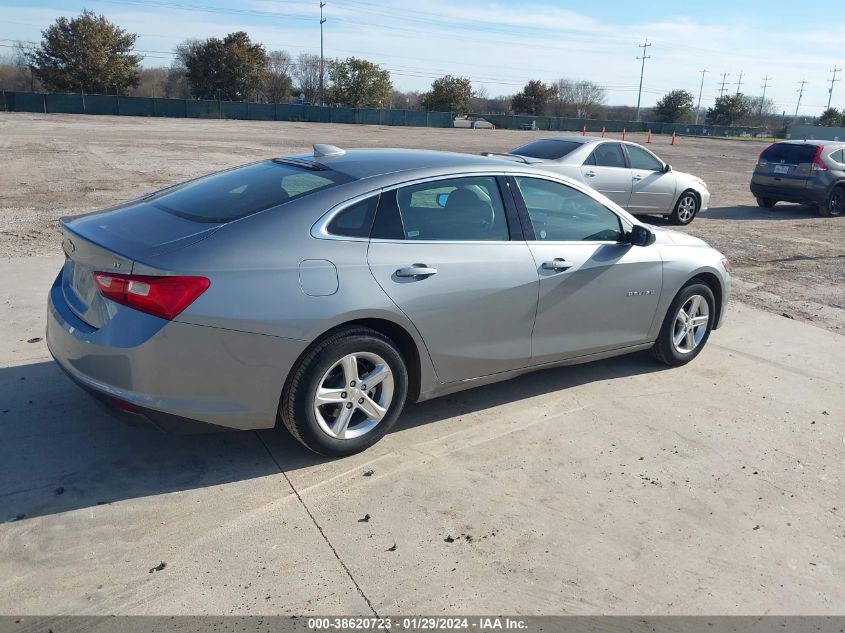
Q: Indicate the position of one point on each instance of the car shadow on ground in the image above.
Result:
(59, 451)
(781, 211)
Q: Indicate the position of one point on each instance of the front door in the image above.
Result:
(442, 252)
(596, 292)
(606, 171)
(653, 187)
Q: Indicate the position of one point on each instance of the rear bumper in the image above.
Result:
(173, 374)
(805, 195)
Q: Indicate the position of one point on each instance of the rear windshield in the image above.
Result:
(789, 153)
(547, 149)
(242, 191)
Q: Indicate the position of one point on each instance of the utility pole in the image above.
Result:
(765, 85)
(642, 71)
(700, 90)
(322, 21)
(739, 82)
(833, 80)
(722, 90)
(800, 94)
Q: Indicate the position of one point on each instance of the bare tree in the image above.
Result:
(15, 71)
(405, 100)
(480, 97)
(307, 75)
(279, 83)
(580, 99)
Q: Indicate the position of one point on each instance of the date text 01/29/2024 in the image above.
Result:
(416, 623)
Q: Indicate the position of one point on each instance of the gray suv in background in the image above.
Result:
(807, 172)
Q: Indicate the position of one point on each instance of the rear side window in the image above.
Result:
(355, 220)
(838, 156)
(607, 155)
(789, 154)
(242, 191)
(548, 149)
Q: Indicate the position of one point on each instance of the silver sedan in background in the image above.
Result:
(627, 173)
(326, 290)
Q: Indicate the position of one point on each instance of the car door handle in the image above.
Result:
(638, 177)
(416, 271)
(590, 174)
(558, 263)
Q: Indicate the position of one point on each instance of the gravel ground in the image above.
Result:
(787, 260)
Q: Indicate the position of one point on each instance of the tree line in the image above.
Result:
(90, 54)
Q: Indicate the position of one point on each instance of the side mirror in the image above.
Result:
(641, 236)
(441, 199)
(667, 168)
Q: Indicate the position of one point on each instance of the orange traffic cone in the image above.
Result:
(584, 131)
(602, 132)
(673, 138)
(623, 133)
(648, 140)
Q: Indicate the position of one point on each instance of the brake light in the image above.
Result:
(164, 297)
(818, 163)
(760, 159)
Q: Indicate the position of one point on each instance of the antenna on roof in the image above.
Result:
(321, 149)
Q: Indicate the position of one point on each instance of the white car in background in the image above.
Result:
(627, 173)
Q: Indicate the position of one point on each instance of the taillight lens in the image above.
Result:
(164, 297)
(818, 163)
(762, 161)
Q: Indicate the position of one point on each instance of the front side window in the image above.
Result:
(239, 192)
(457, 209)
(559, 213)
(607, 155)
(641, 159)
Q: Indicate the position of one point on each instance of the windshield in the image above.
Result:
(236, 193)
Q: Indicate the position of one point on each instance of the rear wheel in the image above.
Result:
(685, 209)
(345, 393)
(766, 203)
(835, 203)
(687, 325)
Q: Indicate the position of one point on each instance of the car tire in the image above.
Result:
(338, 365)
(766, 203)
(686, 208)
(835, 205)
(680, 340)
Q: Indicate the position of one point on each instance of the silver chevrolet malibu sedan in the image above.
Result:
(326, 290)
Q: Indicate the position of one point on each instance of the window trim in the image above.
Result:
(624, 224)
(319, 229)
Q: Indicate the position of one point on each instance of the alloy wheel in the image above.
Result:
(686, 208)
(690, 324)
(354, 395)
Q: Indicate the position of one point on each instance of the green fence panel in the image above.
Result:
(101, 104)
(288, 112)
(3, 105)
(439, 119)
(136, 106)
(201, 109)
(176, 108)
(366, 116)
(342, 115)
(27, 102)
(234, 109)
(262, 111)
(65, 103)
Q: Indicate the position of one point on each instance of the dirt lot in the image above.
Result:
(787, 260)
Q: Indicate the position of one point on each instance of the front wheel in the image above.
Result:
(766, 203)
(345, 393)
(685, 209)
(687, 325)
(835, 203)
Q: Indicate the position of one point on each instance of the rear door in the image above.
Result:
(606, 170)
(785, 165)
(442, 251)
(653, 190)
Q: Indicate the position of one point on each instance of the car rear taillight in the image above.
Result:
(163, 297)
(818, 163)
(762, 161)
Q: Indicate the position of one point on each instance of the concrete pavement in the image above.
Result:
(619, 487)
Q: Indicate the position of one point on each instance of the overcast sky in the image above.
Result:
(500, 45)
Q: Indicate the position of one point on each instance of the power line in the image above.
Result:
(700, 90)
(833, 80)
(800, 94)
(322, 72)
(739, 82)
(722, 90)
(642, 72)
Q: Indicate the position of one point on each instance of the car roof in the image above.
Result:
(368, 163)
(822, 142)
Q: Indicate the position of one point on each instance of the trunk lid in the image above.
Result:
(112, 241)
